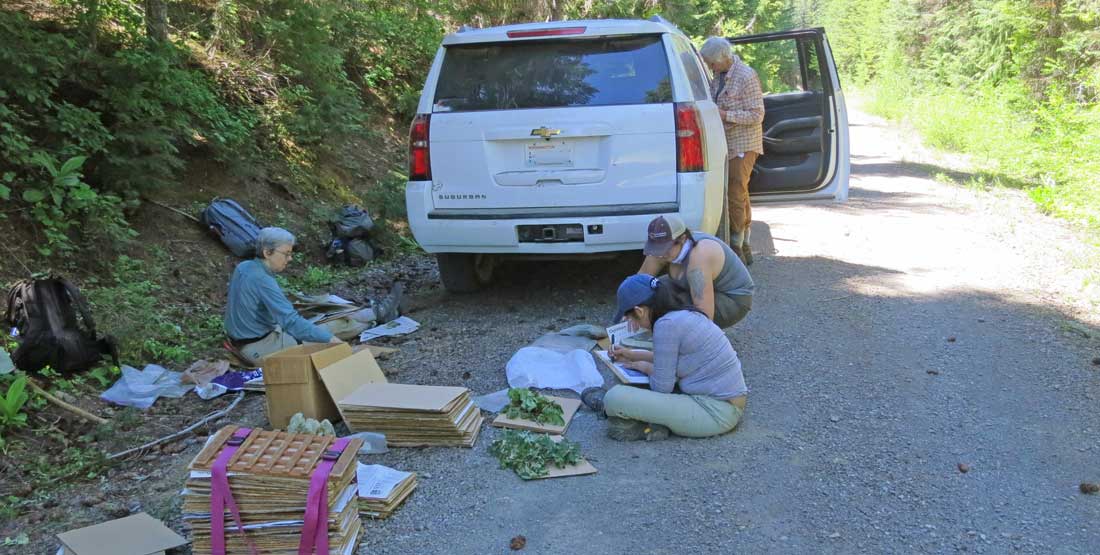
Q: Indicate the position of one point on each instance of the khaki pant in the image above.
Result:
(274, 342)
(684, 415)
(740, 170)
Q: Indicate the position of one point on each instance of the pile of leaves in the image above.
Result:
(528, 405)
(530, 455)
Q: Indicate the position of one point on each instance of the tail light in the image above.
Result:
(689, 139)
(420, 162)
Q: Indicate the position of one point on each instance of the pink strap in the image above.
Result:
(315, 528)
(221, 496)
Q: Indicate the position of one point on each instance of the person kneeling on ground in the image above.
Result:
(260, 320)
(690, 352)
(704, 271)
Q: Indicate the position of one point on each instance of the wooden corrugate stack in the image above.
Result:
(269, 477)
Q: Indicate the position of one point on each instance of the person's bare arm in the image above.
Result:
(700, 279)
(651, 265)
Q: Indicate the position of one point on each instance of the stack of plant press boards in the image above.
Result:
(414, 415)
(269, 477)
(383, 489)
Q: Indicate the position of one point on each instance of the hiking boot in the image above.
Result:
(747, 258)
(621, 429)
(656, 432)
(593, 399)
(389, 308)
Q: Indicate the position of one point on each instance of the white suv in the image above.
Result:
(568, 137)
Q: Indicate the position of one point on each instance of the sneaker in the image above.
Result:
(621, 429)
(748, 256)
(388, 309)
(593, 399)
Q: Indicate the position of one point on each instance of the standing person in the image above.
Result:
(736, 90)
(703, 271)
(259, 319)
(689, 353)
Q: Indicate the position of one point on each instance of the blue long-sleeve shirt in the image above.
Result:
(257, 304)
(689, 350)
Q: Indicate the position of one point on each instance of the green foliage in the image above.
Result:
(1013, 84)
(526, 404)
(530, 455)
(149, 327)
(11, 405)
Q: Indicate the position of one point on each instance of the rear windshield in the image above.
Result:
(553, 73)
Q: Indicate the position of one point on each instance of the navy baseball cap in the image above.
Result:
(662, 234)
(633, 291)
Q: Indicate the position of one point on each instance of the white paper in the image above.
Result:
(400, 326)
(632, 376)
(621, 331)
(493, 402)
(377, 481)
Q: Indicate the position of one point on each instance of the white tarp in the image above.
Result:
(546, 369)
(141, 388)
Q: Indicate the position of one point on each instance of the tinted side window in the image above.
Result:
(554, 73)
(691, 62)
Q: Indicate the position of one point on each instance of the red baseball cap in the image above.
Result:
(663, 231)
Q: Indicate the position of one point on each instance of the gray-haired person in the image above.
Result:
(259, 319)
(736, 90)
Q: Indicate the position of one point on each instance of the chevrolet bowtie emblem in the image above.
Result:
(545, 132)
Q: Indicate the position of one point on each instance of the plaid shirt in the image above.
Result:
(742, 108)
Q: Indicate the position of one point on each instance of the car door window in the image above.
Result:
(694, 71)
(784, 65)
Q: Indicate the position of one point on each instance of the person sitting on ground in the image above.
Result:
(689, 353)
(704, 271)
(260, 320)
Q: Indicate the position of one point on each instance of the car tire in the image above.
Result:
(465, 272)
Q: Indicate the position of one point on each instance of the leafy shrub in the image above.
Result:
(11, 405)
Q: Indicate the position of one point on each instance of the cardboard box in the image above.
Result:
(568, 408)
(309, 378)
(138, 534)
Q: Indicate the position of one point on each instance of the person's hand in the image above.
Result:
(642, 366)
(335, 340)
(618, 352)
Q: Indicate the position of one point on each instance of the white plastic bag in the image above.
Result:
(545, 369)
(141, 388)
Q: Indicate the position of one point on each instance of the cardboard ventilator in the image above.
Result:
(261, 492)
(414, 415)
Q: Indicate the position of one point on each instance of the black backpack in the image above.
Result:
(55, 327)
(350, 242)
(231, 223)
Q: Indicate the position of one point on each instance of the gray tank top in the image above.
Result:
(734, 279)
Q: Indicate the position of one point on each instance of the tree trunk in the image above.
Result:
(156, 20)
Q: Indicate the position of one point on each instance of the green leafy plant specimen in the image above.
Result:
(530, 455)
(11, 404)
(529, 405)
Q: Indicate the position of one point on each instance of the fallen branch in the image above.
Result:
(75, 410)
(181, 433)
(176, 210)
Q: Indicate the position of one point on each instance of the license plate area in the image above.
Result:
(551, 233)
(548, 154)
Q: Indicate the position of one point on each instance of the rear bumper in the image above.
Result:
(622, 228)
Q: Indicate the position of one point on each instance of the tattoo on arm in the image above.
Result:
(697, 282)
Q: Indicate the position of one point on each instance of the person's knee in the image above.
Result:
(616, 401)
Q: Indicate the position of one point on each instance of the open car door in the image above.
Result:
(806, 153)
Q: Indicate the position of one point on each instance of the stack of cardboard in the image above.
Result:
(414, 415)
(383, 489)
(269, 477)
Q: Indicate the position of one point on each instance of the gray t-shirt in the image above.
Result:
(690, 349)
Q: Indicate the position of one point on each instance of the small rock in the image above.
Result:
(465, 375)
(964, 468)
(518, 543)
(933, 372)
(1089, 488)
(834, 535)
(49, 503)
(116, 510)
(92, 500)
(834, 418)
(951, 339)
(24, 490)
(426, 475)
(1096, 361)
(981, 320)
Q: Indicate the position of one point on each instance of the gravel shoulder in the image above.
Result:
(916, 327)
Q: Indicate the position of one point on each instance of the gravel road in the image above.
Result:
(919, 327)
